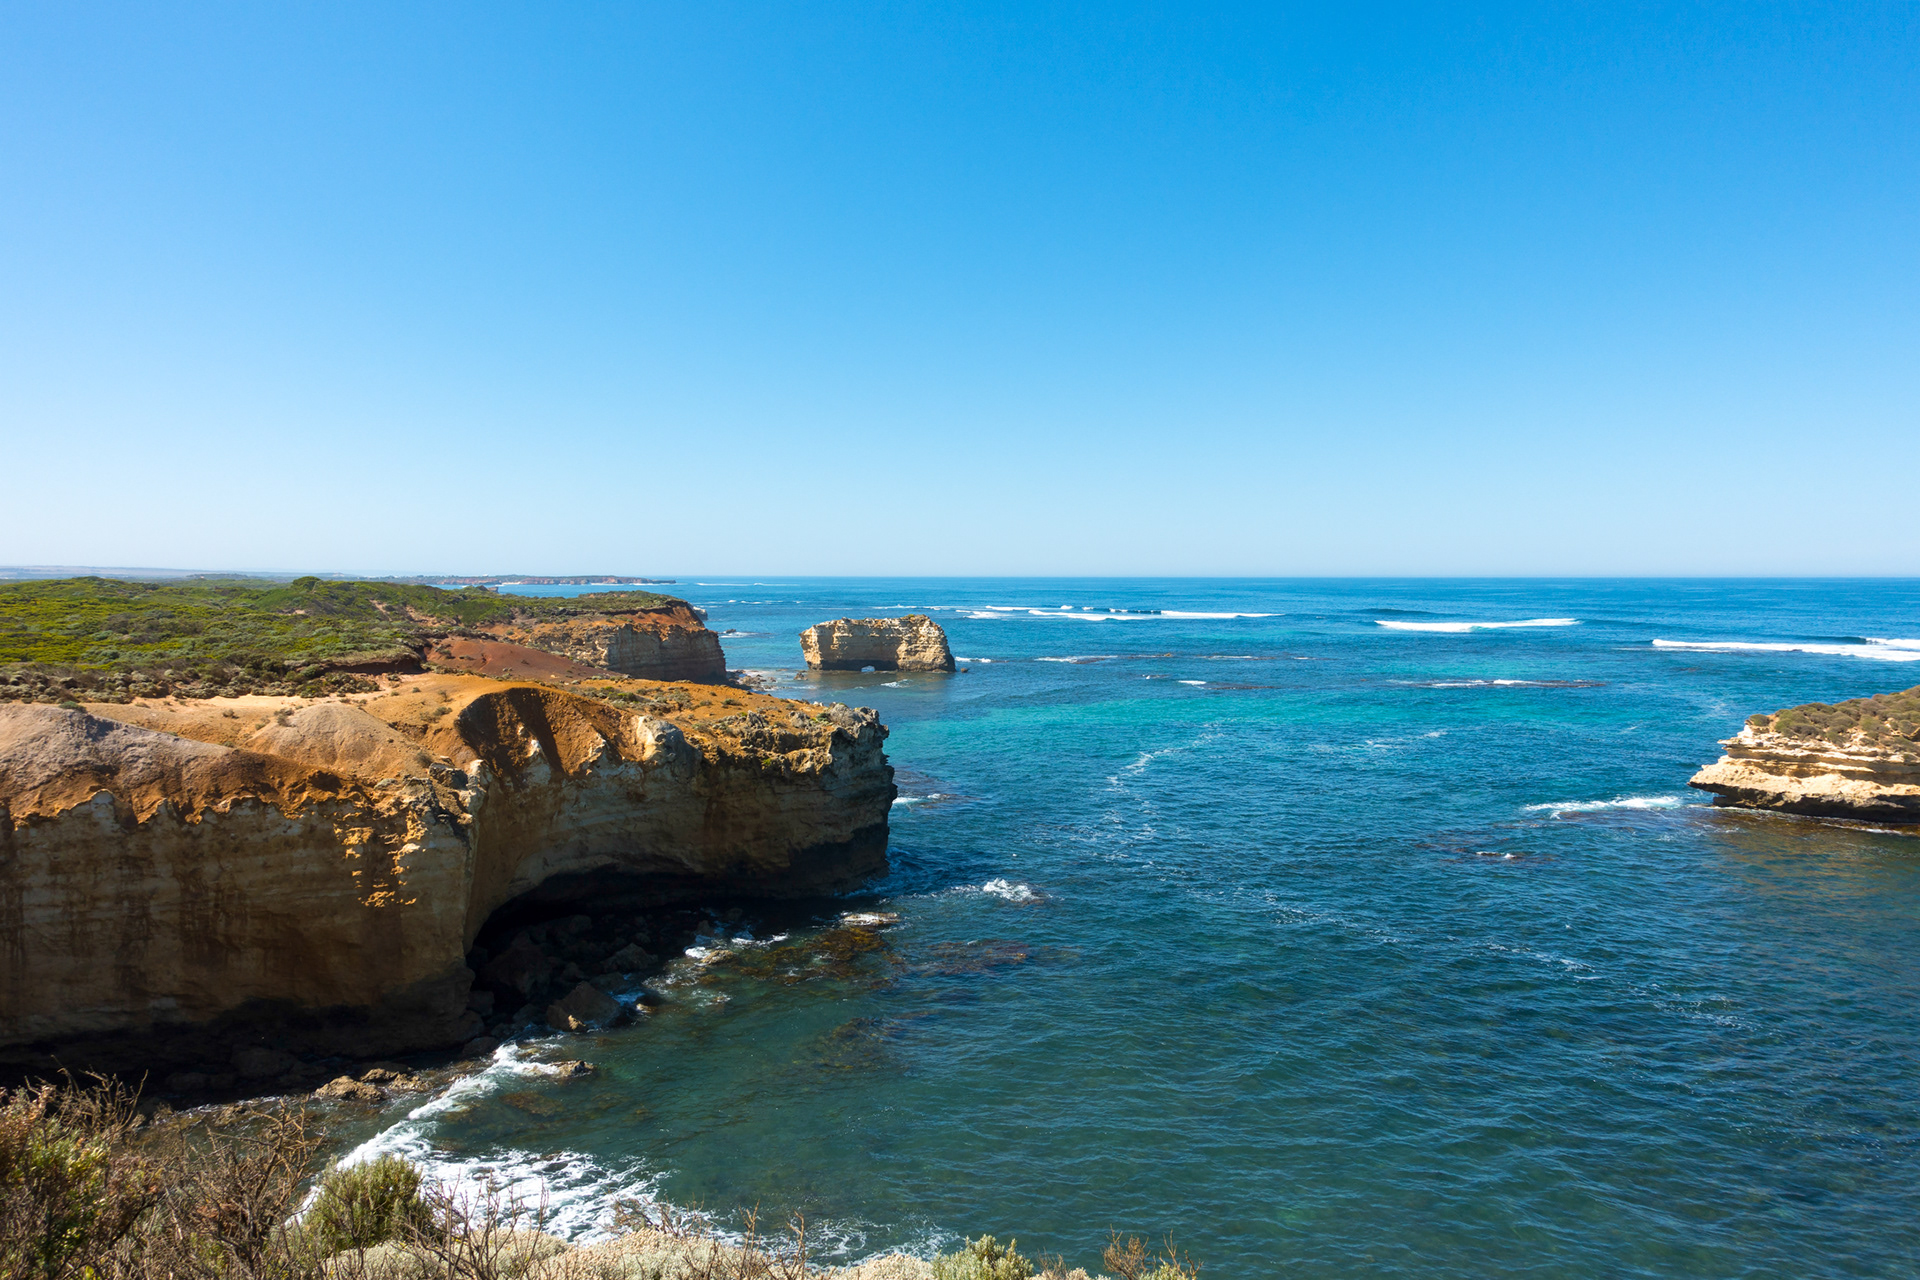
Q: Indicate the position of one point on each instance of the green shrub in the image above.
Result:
(364, 1205)
(67, 1196)
(983, 1259)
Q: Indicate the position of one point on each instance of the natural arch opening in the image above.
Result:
(612, 930)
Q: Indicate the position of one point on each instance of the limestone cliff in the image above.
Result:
(1853, 759)
(670, 642)
(912, 643)
(320, 868)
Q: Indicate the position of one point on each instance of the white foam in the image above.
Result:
(1396, 625)
(1180, 613)
(982, 661)
(1884, 650)
(1487, 684)
(936, 795)
(1193, 682)
(571, 1189)
(1620, 802)
(1010, 891)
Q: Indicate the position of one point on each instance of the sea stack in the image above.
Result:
(912, 643)
(1854, 759)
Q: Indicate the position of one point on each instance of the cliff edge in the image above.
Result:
(912, 643)
(666, 642)
(1854, 759)
(315, 869)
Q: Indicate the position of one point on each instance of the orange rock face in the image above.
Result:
(175, 870)
(667, 643)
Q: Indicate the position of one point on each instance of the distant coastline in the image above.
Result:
(25, 572)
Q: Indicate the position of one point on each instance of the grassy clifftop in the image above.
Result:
(106, 638)
(1886, 720)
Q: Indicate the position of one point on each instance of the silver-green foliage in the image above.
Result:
(368, 1204)
(983, 1259)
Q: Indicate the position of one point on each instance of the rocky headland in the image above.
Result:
(663, 642)
(187, 881)
(1854, 759)
(912, 643)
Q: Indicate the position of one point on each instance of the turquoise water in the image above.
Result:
(1303, 938)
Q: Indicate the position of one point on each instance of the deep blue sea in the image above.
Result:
(1339, 928)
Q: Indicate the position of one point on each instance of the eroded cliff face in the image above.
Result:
(317, 870)
(912, 643)
(668, 643)
(1855, 759)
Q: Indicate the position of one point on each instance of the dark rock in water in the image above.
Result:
(347, 1089)
(301, 1078)
(572, 1068)
(582, 1008)
(522, 967)
(260, 1064)
(628, 959)
(479, 1046)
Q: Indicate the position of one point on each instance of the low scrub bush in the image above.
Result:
(363, 1205)
(983, 1259)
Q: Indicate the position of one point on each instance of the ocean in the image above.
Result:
(1334, 928)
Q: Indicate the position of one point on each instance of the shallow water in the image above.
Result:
(1335, 948)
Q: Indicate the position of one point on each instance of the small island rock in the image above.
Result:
(1854, 759)
(912, 643)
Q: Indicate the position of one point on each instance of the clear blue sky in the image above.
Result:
(962, 288)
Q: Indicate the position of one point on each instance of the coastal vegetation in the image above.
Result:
(1889, 721)
(109, 640)
(96, 1186)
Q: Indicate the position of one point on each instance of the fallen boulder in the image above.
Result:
(347, 1089)
(582, 1008)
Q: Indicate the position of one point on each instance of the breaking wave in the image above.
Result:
(1012, 892)
(1097, 613)
(575, 1190)
(1396, 625)
(1883, 650)
(1620, 802)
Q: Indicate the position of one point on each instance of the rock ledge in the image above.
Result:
(1856, 759)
